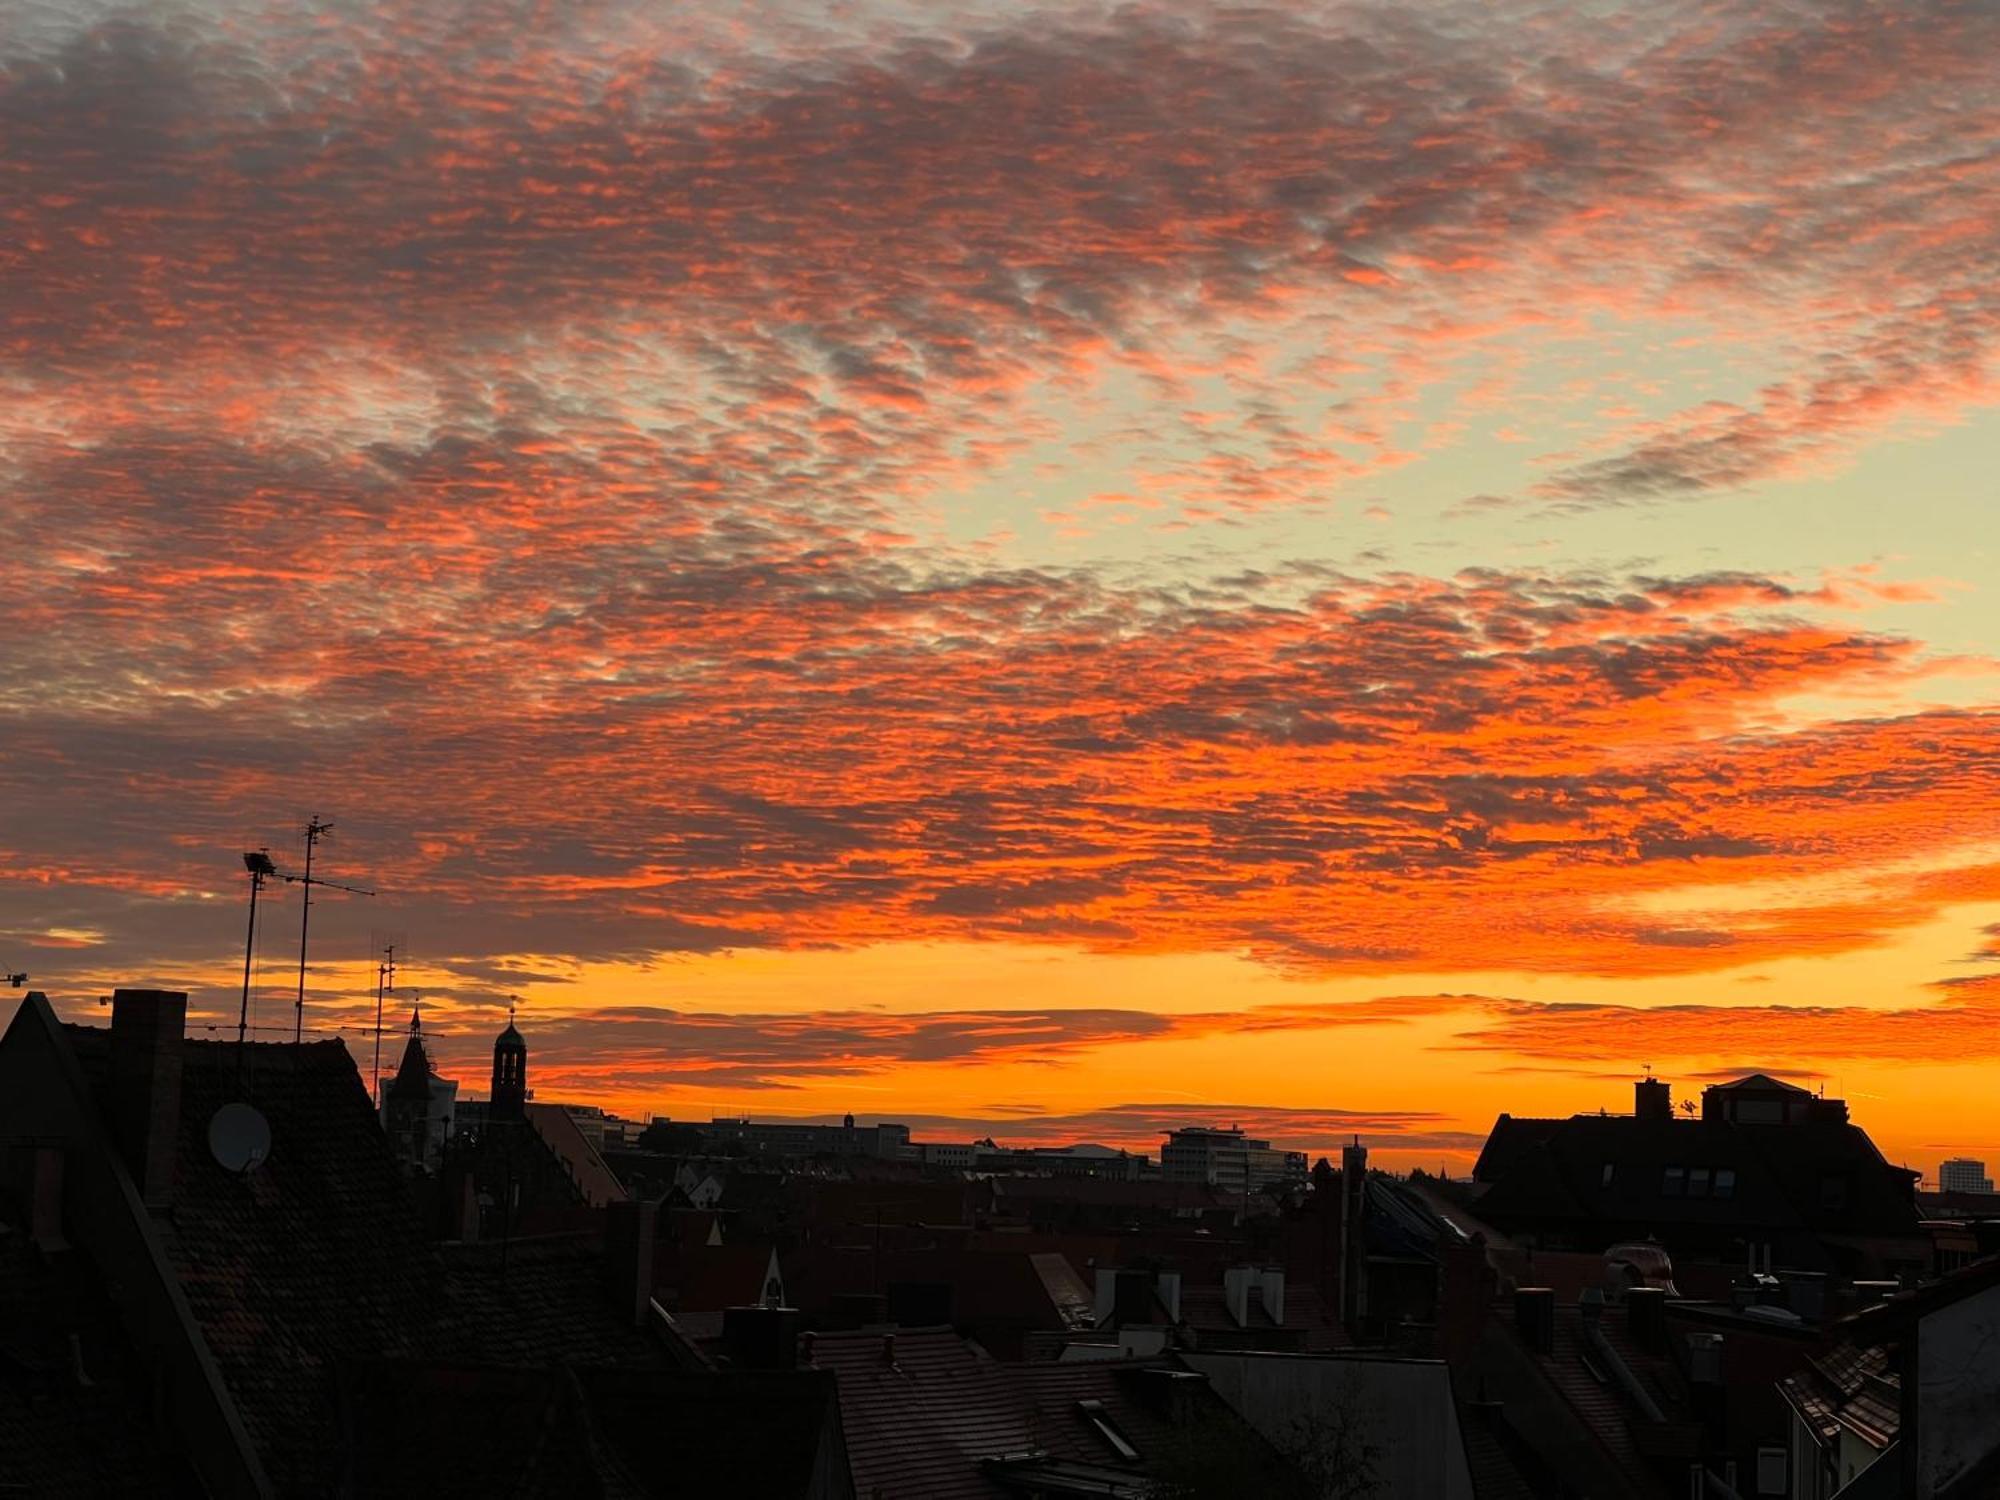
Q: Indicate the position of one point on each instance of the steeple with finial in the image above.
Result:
(413, 1129)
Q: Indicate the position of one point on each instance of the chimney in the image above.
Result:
(762, 1338)
(628, 1258)
(1705, 1358)
(1646, 1317)
(1236, 1284)
(1132, 1298)
(1104, 1305)
(1652, 1100)
(147, 1029)
(1271, 1287)
(1535, 1317)
(1353, 1233)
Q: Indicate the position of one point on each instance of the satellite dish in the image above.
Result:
(239, 1137)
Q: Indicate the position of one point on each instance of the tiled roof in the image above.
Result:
(919, 1410)
(533, 1301)
(1206, 1309)
(312, 1258)
(928, 1416)
(59, 1436)
(748, 1433)
(1849, 1386)
(315, 1260)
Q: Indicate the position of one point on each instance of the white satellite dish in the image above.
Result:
(239, 1137)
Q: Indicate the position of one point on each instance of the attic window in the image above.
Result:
(1698, 1180)
(1610, 1170)
(1100, 1419)
(1725, 1182)
(1673, 1182)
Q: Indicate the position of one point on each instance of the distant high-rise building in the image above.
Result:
(1228, 1160)
(1963, 1175)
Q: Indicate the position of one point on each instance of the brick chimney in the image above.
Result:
(628, 1258)
(147, 1032)
(1652, 1099)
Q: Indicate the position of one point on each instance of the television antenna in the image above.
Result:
(315, 830)
(387, 944)
(258, 863)
(15, 981)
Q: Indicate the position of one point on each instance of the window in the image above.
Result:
(1674, 1183)
(1697, 1182)
(1608, 1172)
(1725, 1182)
(1833, 1192)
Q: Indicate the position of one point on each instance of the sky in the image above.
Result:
(1044, 572)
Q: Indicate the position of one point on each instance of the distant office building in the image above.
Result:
(1227, 1159)
(804, 1138)
(1963, 1175)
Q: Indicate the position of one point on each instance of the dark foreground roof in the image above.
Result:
(312, 1258)
(587, 1433)
(71, 1423)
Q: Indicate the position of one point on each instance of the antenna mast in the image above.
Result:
(315, 831)
(258, 863)
(385, 980)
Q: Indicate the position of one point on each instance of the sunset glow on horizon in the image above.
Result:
(1047, 573)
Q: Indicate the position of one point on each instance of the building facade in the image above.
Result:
(1962, 1174)
(1229, 1160)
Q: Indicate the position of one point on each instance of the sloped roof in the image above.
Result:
(61, 1438)
(1554, 1170)
(920, 1409)
(928, 1416)
(533, 1301)
(1852, 1386)
(596, 1181)
(1071, 1298)
(312, 1258)
(1758, 1083)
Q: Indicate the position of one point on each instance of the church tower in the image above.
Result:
(510, 1074)
(407, 1115)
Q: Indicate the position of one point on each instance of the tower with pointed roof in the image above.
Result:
(510, 1073)
(417, 1106)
